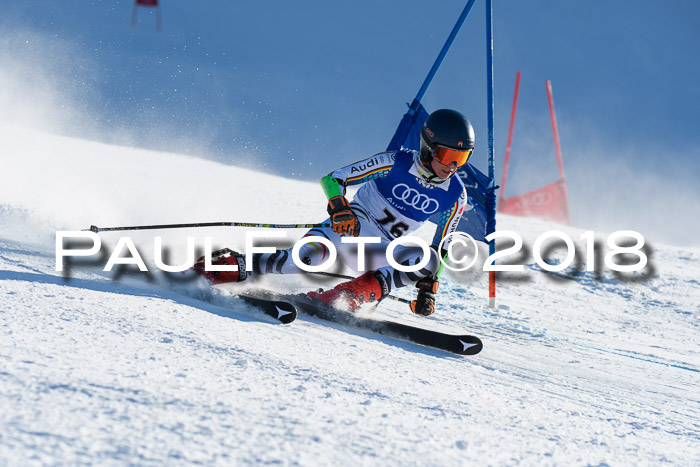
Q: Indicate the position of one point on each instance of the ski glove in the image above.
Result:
(343, 220)
(424, 304)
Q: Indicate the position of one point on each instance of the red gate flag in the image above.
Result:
(549, 202)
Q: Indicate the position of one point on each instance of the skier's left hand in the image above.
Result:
(343, 220)
(424, 304)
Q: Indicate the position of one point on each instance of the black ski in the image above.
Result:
(459, 344)
(278, 308)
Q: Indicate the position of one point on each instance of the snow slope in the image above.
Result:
(577, 369)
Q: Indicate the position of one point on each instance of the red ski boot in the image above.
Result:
(220, 258)
(369, 287)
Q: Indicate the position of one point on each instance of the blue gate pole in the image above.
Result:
(492, 167)
(431, 74)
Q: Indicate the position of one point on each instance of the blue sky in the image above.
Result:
(299, 88)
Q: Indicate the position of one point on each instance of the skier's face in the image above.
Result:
(441, 170)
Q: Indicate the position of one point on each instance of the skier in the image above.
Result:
(401, 190)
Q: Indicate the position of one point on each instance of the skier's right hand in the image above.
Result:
(343, 220)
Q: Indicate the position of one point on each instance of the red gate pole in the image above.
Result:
(557, 146)
(502, 192)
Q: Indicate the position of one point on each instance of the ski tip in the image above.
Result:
(468, 345)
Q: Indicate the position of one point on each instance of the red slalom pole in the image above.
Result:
(557, 146)
(510, 137)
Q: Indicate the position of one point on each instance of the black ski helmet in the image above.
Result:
(444, 127)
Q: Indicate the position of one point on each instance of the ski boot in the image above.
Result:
(367, 288)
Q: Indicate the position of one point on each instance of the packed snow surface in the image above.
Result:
(578, 368)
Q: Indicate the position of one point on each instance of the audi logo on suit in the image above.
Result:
(415, 199)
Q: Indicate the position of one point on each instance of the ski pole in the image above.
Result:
(442, 266)
(94, 228)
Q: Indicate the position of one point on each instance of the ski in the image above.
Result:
(458, 344)
(278, 308)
